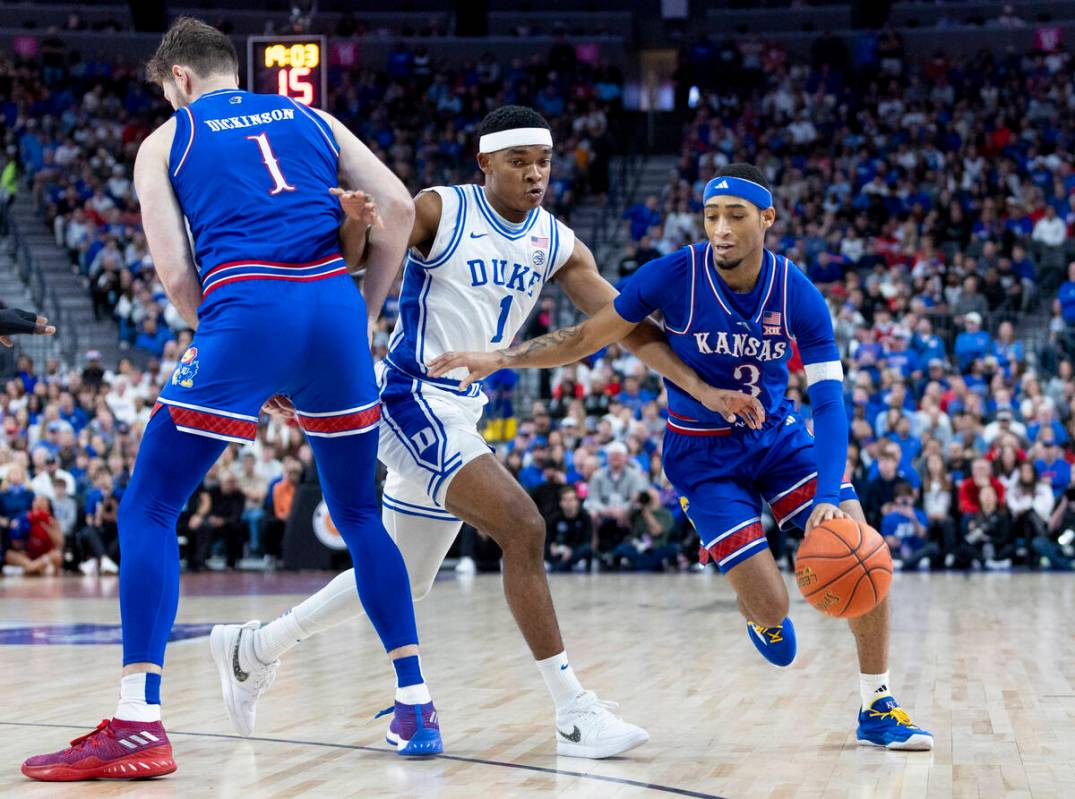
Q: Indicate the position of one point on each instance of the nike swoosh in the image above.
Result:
(564, 667)
(478, 235)
(240, 675)
(574, 737)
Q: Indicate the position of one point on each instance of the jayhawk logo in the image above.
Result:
(188, 368)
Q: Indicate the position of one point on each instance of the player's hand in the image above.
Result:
(731, 404)
(823, 512)
(280, 406)
(358, 206)
(16, 320)
(478, 364)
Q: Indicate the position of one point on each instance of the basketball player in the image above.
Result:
(275, 312)
(732, 310)
(479, 258)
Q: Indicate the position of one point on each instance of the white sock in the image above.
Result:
(872, 686)
(277, 637)
(560, 679)
(335, 603)
(132, 700)
(414, 694)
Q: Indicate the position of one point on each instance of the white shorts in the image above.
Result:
(426, 436)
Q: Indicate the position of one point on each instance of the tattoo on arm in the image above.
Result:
(561, 339)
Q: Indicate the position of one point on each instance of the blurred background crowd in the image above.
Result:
(931, 199)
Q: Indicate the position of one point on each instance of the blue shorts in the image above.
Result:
(723, 479)
(256, 339)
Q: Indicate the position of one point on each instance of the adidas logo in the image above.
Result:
(722, 185)
(134, 741)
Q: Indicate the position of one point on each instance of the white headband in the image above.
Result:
(516, 137)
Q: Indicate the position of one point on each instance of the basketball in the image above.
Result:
(844, 568)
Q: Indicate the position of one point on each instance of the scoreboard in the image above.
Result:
(293, 66)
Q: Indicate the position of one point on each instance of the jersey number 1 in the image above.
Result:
(505, 309)
(269, 159)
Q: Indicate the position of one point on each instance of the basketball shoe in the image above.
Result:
(116, 750)
(414, 731)
(243, 678)
(587, 727)
(776, 644)
(885, 723)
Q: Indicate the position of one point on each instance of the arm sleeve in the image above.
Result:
(652, 287)
(812, 326)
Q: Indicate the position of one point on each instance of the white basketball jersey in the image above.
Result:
(477, 285)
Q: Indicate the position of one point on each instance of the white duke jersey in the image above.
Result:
(477, 285)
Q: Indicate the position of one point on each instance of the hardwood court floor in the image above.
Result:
(985, 661)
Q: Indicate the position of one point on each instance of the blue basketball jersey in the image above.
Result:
(252, 174)
(731, 346)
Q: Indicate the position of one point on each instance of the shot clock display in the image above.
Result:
(289, 65)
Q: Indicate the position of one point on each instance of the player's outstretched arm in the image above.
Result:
(361, 169)
(566, 345)
(581, 280)
(164, 225)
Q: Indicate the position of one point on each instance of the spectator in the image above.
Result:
(1050, 231)
(1053, 468)
(1030, 503)
(610, 493)
(881, 489)
(937, 504)
(35, 542)
(253, 486)
(649, 547)
(219, 515)
(906, 529)
(989, 532)
(569, 533)
(281, 498)
(43, 484)
(973, 343)
(970, 489)
(642, 216)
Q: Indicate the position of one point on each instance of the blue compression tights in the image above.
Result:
(169, 467)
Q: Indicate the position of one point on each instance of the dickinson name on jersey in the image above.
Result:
(250, 120)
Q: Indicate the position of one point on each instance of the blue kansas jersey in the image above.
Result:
(742, 349)
(252, 174)
(742, 342)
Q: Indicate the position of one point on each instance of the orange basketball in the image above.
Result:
(844, 568)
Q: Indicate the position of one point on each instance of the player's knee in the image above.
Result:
(523, 535)
(421, 585)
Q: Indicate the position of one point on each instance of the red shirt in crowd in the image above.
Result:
(968, 495)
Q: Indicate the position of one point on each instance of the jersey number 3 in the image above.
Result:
(750, 375)
(269, 159)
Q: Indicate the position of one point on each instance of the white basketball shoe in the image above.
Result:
(243, 678)
(588, 728)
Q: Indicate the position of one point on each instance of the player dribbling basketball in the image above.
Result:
(732, 310)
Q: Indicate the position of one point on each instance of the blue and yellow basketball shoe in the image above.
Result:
(885, 723)
(776, 644)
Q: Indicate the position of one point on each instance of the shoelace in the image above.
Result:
(774, 634)
(592, 705)
(386, 712)
(897, 714)
(81, 740)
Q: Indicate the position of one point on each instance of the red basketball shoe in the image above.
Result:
(117, 750)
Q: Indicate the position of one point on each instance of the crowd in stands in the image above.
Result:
(931, 203)
(934, 204)
(75, 131)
